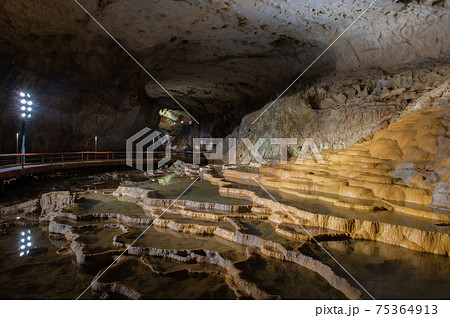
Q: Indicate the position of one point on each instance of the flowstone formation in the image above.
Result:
(345, 108)
(219, 241)
(396, 183)
(96, 239)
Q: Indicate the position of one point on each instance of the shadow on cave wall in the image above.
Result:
(74, 103)
(69, 111)
(219, 103)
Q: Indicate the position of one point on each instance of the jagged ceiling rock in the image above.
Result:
(195, 45)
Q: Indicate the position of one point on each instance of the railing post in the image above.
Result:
(87, 157)
(107, 156)
(82, 156)
(42, 158)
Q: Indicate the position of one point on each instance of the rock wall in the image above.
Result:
(220, 59)
(69, 110)
(341, 109)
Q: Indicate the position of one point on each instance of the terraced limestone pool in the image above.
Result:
(321, 207)
(190, 253)
(172, 186)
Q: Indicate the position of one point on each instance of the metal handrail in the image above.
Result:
(15, 159)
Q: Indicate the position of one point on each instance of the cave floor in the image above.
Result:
(205, 244)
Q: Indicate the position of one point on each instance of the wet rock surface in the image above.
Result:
(402, 168)
(202, 250)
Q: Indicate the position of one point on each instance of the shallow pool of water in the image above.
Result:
(40, 274)
(37, 271)
(286, 279)
(97, 240)
(91, 202)
(389, 272)
(178, 285)
(201, 190)
(164, 238)
(266, 230)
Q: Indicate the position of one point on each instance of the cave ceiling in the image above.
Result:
(218, 57)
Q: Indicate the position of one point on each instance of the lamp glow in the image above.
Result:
(25, 115)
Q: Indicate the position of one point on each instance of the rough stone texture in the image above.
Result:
(221, 59)
(27, 207)
(344, 109)
(441, 197)
(55, 202)
(407, 162)
(132, 192)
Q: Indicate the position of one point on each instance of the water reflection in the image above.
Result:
(25, 243)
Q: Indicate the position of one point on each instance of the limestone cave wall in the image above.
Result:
(221, 60)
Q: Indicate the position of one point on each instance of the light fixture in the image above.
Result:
(25, 114)
(26, 105)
